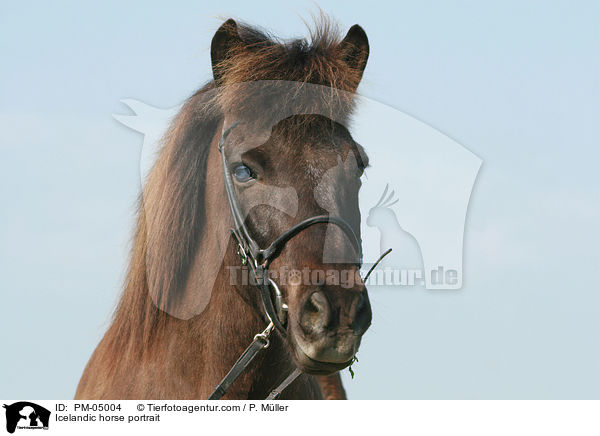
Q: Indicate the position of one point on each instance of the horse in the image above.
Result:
(182, 321)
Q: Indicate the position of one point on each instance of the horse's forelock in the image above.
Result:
(250, 55)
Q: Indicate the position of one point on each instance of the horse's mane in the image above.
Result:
(171, 214)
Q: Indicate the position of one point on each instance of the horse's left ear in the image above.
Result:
(354, 49)
(224, 40)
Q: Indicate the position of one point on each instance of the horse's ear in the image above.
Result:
(354, 49)
(224, 40)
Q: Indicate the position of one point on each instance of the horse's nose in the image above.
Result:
(332, 321)
(339, 309)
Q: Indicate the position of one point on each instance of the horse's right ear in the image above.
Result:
(354, 49)
(224, 40)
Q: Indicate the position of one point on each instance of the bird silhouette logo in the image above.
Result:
(407, 252)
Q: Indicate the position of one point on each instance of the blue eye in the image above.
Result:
(242, 173)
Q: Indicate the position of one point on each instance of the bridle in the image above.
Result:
(258, 261)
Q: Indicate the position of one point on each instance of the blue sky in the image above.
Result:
(517, 84)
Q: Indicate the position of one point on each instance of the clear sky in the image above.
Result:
(516, 83)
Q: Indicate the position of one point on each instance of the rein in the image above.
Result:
(258, 260)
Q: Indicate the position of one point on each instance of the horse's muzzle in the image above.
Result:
(330, 324)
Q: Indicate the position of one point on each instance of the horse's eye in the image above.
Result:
(242, 173)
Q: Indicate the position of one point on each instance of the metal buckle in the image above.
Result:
(265, 335)
(242, 254)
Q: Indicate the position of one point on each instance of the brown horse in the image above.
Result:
(179, 342)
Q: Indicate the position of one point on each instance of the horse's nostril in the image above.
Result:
(362, 316)
(362, 303)
(315, 313)
(317, 301)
